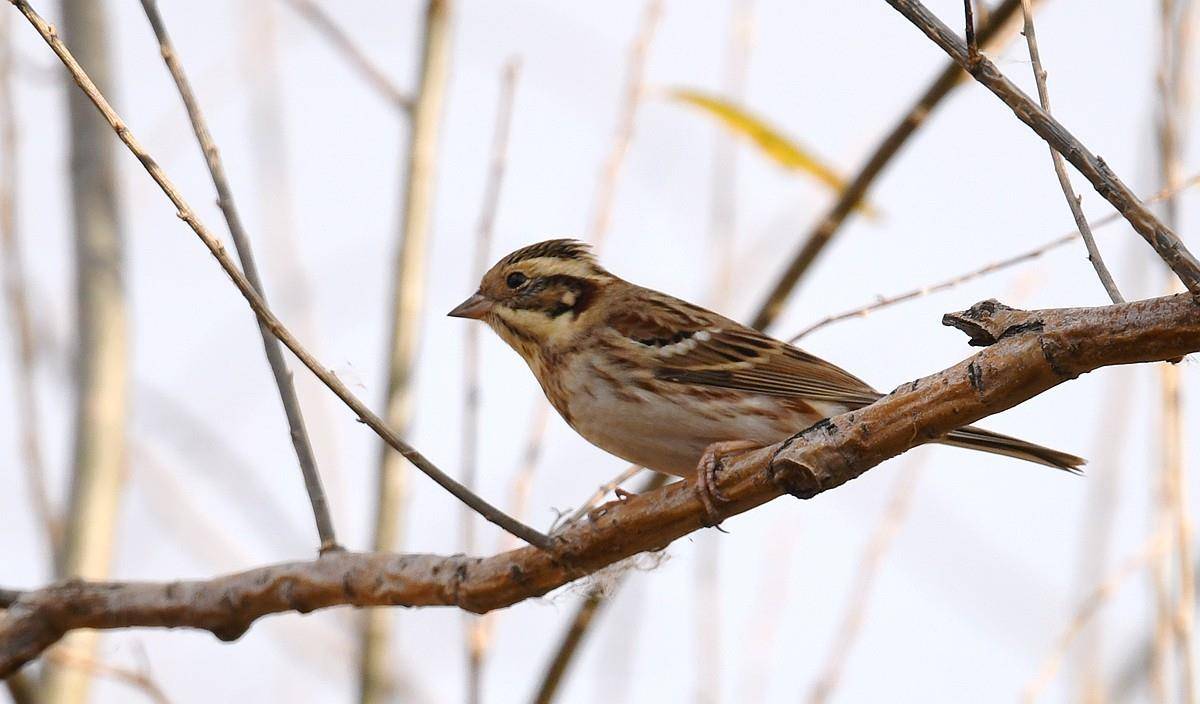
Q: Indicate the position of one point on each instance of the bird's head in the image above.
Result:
(535, 297)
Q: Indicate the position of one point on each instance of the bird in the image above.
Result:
(666, 384)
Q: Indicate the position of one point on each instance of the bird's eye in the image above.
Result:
(516, 279)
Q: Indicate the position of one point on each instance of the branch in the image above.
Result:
(405, 306)
(1028, 352)
(958, 279)
(260, 308)
(241, 242)
(341, 41)
(16, 299)
(822, 233)
(1162, 238)
(1060, 169)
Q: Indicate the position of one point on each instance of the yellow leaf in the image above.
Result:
(771, 142)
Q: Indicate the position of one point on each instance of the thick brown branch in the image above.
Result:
(1029, 352)
(1162, 238)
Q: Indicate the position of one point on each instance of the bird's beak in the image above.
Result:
(474, 307)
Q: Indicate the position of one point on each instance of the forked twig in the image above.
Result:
(1157, 234)
(1060, 169)
(260, 308)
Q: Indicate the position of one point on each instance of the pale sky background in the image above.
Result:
(982, 577)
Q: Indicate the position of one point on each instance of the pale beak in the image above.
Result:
(474, 307)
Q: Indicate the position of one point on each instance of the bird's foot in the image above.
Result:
(707, 471)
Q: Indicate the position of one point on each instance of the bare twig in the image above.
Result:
(341, 41)
(1176, 614)
(969, 29)
(418, 181)
(1096, 599)
(477, 632)
(1098, 528)
(959, 279)
(860, 593)
(241, 241)
(256, 303)
(993, 31)
(12, 270)
(1060, 169)
(585, 613)
(635, 86)
(139, 680)
(603, 490)
(1158, 235)
(568, 646)
(102, 394)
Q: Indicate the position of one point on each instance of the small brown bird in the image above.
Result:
(665, 384)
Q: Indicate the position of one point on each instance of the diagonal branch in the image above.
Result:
(241, 242)
(1060, 169)
(1027, 353)
(260, 308)
(1161, 237)
(343, 43)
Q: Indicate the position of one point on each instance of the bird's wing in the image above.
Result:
(694, 346)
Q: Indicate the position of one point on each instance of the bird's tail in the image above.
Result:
(974, 438)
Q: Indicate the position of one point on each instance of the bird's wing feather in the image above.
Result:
(696, 346)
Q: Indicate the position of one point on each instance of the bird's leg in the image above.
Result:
(623, 495)
(707, 470)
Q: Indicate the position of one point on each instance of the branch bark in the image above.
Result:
(1027, 353)
(1162, 238)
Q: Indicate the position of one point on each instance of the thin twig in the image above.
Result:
(1179, 613)
(969, 30)
(404, 319)
(585, 613)
(821, 234)
(185, 213)
(569, 644)
(1060, 169)
(1158, 235)
(101, 399)
(1099, 525)
(341, 41)
(1088, 608)
(241, 241)
(12, 270)
(477, 630)
(946, 284)
(860, 592)
(603, 490)
(635, 87)
(139, 680)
